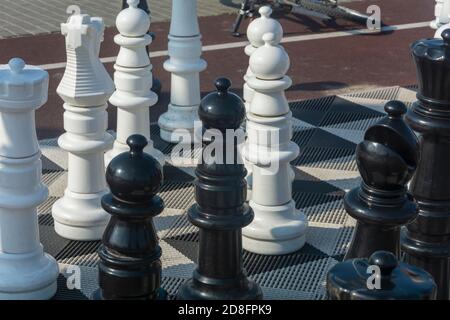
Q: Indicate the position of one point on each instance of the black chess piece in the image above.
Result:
(426, 242)
(381, 277)
(386, 159)
(157, 86)
(130, 265)
(220, 211)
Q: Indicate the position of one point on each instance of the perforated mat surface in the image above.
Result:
(327, 131)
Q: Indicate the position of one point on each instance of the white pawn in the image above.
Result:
(85, 89)
(278, 227)
(442, 14)
(255, 32)
(133, 79)
(26, 272)
(184, 64)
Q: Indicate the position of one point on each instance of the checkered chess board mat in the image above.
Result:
(327, 131)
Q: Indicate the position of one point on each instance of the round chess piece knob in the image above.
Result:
(262, 25)
(222, 109)
(381, 277)
(132, 21)
(130, 266)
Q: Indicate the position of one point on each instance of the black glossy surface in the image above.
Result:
(220, 211)
(426, 242)
(130, 266)
(387, 159)
(397, 281)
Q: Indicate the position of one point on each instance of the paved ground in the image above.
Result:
(326, 58)
(31, 17)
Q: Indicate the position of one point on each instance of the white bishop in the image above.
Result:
(278, 227)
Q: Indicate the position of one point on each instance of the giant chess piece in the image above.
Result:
(255, 32)
(380, 277)
(184, 64)
(426, 241)
(26, 272)
(387, 159)
(130, 265)
(278, 227)
(156, 87)
(85, 89)
(133, 80)
(442, 14)
(220, 211)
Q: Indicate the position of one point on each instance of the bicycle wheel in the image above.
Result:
(333, 10)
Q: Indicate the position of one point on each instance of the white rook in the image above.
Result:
(278, 227)
(26, 272)
(133, 79)
(255, 32)
(184, 64)
(85, 89)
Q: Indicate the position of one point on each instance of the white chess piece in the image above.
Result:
(184, 64)
(278, 227)
(85, 89)
(133, 79)
(26, 272)
(255, 31)
(442, 14)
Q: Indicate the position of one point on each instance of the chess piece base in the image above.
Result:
(275, 230)
(28, 276)
(80, 216)
(178, 124)
(161, 295)
(202, 288)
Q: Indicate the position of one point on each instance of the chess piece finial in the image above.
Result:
(270, 61)
(220, 211)
(380, 277)
(16, 65)
(26, 272)
(130, 265)
(426, 241)
(262, 25)
(222, 109)
(386, 159)
(133, 21)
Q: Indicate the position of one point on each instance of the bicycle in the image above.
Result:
(324, 9)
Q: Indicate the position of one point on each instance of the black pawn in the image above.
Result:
(220, 211)
(130, 265)
(157, 86)
(386, 159)
(426, 241)
(381, 277)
